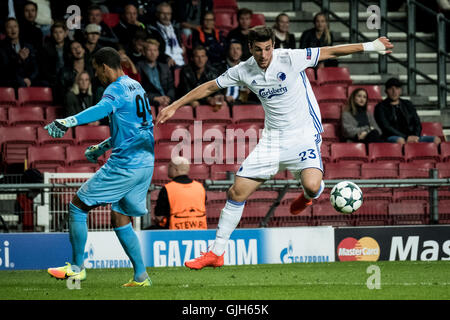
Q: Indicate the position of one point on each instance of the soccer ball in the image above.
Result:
(346, 197)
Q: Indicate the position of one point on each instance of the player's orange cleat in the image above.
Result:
(207, 259)
(300, 204)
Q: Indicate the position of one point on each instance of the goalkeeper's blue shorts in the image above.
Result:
(125, 189)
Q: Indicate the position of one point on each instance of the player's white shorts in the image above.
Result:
(277, 151)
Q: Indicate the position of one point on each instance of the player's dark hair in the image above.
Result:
(260, 34)
(108, 56)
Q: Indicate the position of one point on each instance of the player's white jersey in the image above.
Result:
(284, 90)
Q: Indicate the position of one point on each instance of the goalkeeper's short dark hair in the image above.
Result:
(108, 56)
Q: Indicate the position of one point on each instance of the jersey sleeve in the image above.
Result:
(305, 58)
(110, 101)
(229, 78)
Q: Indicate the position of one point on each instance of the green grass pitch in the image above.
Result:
(408, 280)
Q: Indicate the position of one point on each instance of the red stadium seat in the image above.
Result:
(433, 129)
(324, 214)
(228, 4)
(53, 112)
(216, 196)
(405, 213)
(7, 97)
(225, 20)
(185, 114)
(111, 19)
(385, 152)
(379, 170)
(207, 132)
(207, 114)
(26, 116)
(199, 172)
(329, 134)
(163, 151)
(43, 138)
(77, 169)
(91, 134)
(3, 116)
(258, 19)
(443, 170)
(444, 211)
(14, 143)
(330, 93)
(334, 76)
(210, 153)
(414, 170)
(331, 112)
(410, 194)
(41, 96)
(160, 173)
(248, 113)
(325, 153)
(377, 194)
(47, 158)
(445, 151)
(244, 131)
(421, 152)
(373, 213)
(221, 171)
(166, 132)
(373, 92)
(75, 157)
(338, 171)
(348, 152)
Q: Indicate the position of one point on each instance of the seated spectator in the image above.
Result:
(80, 95)
(18, 58)
(128, 25)
(170, 34)
(157, 79)
(92, 37)
(128, 66)
(398, 118)
(107, 36)
(189, 14)
(54, 56)
(240, 33)
(319, 36)
(358, 125)
(181, 202)
(79, 63)
(211, 38)
(196, 73)
(29, 29)
(283, 38)
(237, 94)
(135, 50)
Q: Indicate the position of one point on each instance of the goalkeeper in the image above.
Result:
(125, 178)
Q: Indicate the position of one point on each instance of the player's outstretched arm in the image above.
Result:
(93, 152)
(200, 92)
(381, 45)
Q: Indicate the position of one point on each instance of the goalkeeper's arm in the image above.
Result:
(93, 152)
(381, 45)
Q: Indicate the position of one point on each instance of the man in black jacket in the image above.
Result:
(398, 118)
(156, 77)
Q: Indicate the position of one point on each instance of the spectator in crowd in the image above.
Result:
(359, 125)
(46, 15)
(80, 96)
(18, 58)
(398, 118)
(107, 36)
(79, 63)
(283, 38)
(135, 50)
(181, 202)
(196, 73)
(29, 29)
(240, 33)
(189, 14)
(211, 38)
(92, 37)
(128, 67)
(54, 56)
(170, 34)
(128, 25)
(237, 94)
(319, 36)
(157, 79)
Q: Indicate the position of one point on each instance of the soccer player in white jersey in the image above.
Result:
(292, 131)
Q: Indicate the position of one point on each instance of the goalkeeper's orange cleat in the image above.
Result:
(300, 204)
(207, 259)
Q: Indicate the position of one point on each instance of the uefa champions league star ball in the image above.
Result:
(346, 197)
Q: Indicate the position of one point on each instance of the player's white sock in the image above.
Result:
(229, 219)
(317, 195)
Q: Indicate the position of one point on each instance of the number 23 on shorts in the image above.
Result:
(308, 154)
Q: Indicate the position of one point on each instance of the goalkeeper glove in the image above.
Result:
(59, 127)
(93, 152)
(376, 46)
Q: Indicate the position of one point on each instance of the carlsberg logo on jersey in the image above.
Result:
(272, 92)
